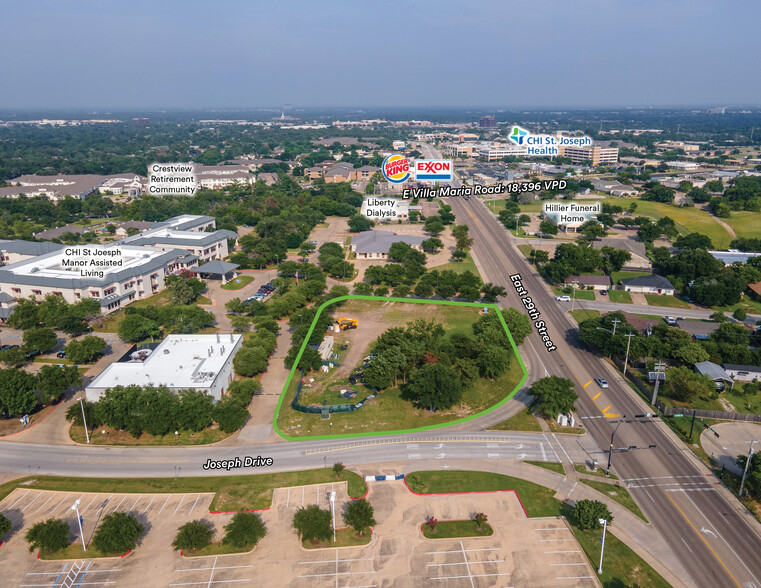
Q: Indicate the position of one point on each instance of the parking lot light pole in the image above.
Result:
(84, 420)
(333, 506)
(604, 523)
(75, 508)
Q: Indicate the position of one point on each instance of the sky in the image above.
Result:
(123, 54)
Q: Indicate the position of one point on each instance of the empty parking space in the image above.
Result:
(216, 571)
(301, 496)
(454, 564)
(565, 562)
(71, 574)
(341, 569)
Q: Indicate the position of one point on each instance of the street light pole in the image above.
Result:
(658, 368)
(84, 420)
(747, 463)
(628, 343)
(604, 523)
(610, 452)
(75, 507)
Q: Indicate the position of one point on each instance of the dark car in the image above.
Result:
(7, 347)
(61, 354)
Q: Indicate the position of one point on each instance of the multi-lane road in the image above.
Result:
(717, 545)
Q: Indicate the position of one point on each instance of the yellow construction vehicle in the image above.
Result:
(347, 323)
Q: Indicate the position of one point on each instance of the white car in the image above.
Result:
(602, 382)
(563, 298)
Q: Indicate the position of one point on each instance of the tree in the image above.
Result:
(359, 223)
(432, 522)
(134, 327)
(540, 256)
(313, 524)
(693, 241)
(518, 324)
(434, 385)
(492, 292)
(459, 254)
(554, 395)
(432, 244)
(17, 392)
(740, 314)
(244, 530)
(589, 512)
(434, 225)
(685, 385)
(480, 519)
(48, 536)
(5, 525)
(462, 241)
(592, 230)
(250, 361)
(193, 535)
(40, 339)
(359, 515)
(363, 289)
(493, 361)
(86, 349)
(690, 353)
(180, 291)
(52, 380)
(230, 414)
(338, 469)
(548, 227)
(117, 533)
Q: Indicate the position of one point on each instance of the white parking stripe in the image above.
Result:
(44, 503)
(135, 504)
(88, 504)
(120, 503)
(149, 504)
(22, 496)
(163, 505)
(194, 504)
(178, 505)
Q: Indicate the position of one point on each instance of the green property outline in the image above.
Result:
(402, 431)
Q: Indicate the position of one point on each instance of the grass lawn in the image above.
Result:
(459, 267)
(621, 566)
(111, 322)
(344, 538)
(620, 296)
(523, 421)
(553, 466)
(580, 294)
(582, 469)
(618, 276)
(617, 493)
(537, 500)
(526, 250)
(114, 437)
(457, 530)
(744, 223)
(74, 551)
(687, 218)
(238, 283)
(203, 300)
(747, 304)
(556, 428)
(580, 315)
(233, 493)
(751, 404)
(663, 300)
(217, 548)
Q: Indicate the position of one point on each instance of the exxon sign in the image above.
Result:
(433, 170)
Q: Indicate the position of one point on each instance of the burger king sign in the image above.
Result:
(396, 168)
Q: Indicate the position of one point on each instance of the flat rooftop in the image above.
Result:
(51, 265)
(180, 362)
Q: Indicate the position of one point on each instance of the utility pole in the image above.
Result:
(615, 322)
(628, 343)
(659, 367)
(747, 463)
(573, 301)
(84, 420)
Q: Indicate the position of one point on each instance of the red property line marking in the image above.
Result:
(474, 492)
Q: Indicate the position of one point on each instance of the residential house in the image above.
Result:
(743, 373)
(639, 260)
(700, 330)
(376, 244)
(652, 284)
(586, 280)
(714, 371)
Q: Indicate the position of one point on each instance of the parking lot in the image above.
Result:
(522, 551)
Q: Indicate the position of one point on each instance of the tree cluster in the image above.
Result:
(140, 323)
(21, 391)
(55, 313)
(570, 259)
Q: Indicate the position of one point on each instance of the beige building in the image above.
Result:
(597, 155)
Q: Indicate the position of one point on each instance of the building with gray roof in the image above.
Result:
(376, 244)
(652, 284)
(700, 330)
(17, 250)
(716, 373)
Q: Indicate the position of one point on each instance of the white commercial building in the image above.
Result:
(497, 151)
(180, 362)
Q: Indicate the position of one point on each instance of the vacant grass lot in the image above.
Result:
(388, 411)
(537, 500)
(457, 530)
(233, 493)
(580, 315)
(744, 223)
(460, 267)
(663, 300)
(617, 493)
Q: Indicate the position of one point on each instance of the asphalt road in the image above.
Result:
(690, 313)
(707, 534)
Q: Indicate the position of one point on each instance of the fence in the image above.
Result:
(296, 405)
(710, 414)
